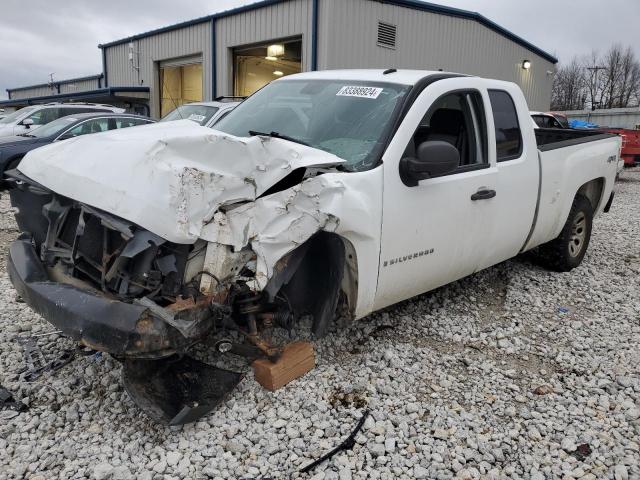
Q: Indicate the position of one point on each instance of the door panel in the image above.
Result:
(434, 233)
(517, 178)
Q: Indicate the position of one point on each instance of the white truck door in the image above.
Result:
(436, 232)
(515, 153)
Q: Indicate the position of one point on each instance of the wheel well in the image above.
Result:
(319, 278)
(593, 192)
(13, 162)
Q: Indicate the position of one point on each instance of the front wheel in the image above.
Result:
(568, 250)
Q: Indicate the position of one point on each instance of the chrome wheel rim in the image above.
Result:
(578, 234)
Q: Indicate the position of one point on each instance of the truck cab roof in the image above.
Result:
(402, 77)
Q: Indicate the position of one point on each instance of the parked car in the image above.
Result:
(35, 116)
(205, 114)
(324, 195)
(549, 120)
(12, 149)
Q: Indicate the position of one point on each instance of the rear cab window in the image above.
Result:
(507, 127)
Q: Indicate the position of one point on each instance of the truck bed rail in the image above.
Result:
(553, 138)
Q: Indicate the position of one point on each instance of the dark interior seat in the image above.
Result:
(446, 125)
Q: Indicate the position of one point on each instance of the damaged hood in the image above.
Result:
(169, 178)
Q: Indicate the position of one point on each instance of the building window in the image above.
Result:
(387, 35)
(255, 66)
(179, 85)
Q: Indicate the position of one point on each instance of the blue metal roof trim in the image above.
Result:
(314, 36)
(415, 4)
(57, 82)
(214, 61)
(86, 94)
(104, 68)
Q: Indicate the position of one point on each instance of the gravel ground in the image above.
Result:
(512, 373)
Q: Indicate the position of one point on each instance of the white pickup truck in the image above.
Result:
(329, 194)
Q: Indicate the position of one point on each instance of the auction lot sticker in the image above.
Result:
(360, 92)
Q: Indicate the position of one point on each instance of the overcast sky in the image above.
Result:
(39, 37)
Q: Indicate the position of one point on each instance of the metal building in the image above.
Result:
(238, 51)
(85, 89)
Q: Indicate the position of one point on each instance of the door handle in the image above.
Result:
(483, 195)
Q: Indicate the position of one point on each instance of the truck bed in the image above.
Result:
(553, 138)
(570, 159)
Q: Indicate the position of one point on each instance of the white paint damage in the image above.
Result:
(348, 204)
(275, 225)
(169, 178)
(187, 183)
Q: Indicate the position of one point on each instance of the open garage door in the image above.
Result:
(258, 65)
(180, 82)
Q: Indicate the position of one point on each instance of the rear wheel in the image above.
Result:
(568, 250)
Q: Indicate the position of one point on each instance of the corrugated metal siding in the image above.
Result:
(81, 86)
(193, 40)
(66, 86)
(615, 117)
(287, 19)
(33, 92)
(427, 40)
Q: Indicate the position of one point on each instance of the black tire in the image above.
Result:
(568, 250)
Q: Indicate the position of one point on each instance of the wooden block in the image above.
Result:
(297, 359)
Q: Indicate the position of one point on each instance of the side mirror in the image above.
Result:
(27, 122)
(434, 159)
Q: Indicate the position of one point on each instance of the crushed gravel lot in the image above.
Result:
(515, 372)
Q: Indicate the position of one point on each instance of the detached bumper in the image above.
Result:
(94, 320)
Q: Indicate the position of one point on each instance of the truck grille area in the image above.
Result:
(110, 254)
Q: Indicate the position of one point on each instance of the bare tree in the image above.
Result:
(629, 83)
(613, 63)
(568, 91)
(611, 80)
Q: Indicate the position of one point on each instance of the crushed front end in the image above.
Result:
(116, 287)
(206, 239)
